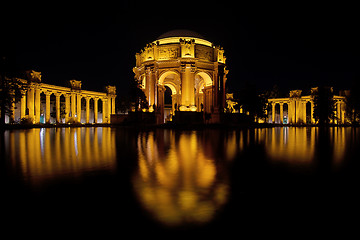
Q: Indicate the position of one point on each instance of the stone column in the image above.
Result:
(96, 99)
(312, 112)
(104, 108)
(78, 110)
(298, 112)
(67, 107)
(173, 101)
(73, 105)
(57, 104)
(47, 107)
(23, 104)
(343, 112)
(338, 112)
(273, 112)
(30, 101)
(113, 105)
(37, 104)
(187, 88)
(281, 113)
(304, 112)
(109, 108)
(87, 109)
(161, 92)
(150, 85)
(293, 111)
(147, 85)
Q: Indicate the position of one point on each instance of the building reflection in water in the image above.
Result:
(182, 177)
(41, 154)
(300, 146)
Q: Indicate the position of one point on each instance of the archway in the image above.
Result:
(83, 110)
(168, 106)
(203, 92)
(99, 112)
(277, 113)
(62, 109)
(168, 95)
(308, 112)
(286, 114)
(43, 112)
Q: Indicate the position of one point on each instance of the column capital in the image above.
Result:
(31, 86)
(47, 93)
(57, 94)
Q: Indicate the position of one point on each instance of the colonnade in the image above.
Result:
(30, 103)
(298, 113)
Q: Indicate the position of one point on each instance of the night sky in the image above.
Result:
(295, 46)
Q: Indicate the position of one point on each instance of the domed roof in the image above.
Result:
(180, 33)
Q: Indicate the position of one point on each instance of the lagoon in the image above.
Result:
(111, 181)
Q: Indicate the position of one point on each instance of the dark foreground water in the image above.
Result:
(108, 182)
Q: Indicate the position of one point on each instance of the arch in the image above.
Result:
(308, 112)
(285, 113)
(277, 113)
(165, 74)
(206, 77)
(172, 87)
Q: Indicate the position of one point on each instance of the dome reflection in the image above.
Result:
(179, 180)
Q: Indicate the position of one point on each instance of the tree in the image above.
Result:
(252, 101)
(138, 96)
(324, 105)
(353, 104)
(11, 89)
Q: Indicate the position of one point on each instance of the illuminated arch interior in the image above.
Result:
(171, 86)
(207, 79)
(168, 74)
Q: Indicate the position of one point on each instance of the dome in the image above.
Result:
(180, 33)
(174, 36)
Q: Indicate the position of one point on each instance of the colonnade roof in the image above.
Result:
(60, 89)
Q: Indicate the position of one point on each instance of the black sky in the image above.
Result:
(294, 45)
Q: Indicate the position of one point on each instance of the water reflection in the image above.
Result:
(181, 177)
(41, 154)
(300, 146)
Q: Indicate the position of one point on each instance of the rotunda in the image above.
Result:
(193, 70)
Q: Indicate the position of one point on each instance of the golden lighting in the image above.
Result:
(300, 146)
(43, 154)
(182, 184)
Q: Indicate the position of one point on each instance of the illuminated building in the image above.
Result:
(190, 66)
(298, 109)
(67, 100)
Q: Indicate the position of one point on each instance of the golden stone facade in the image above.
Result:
(32, 107)
(190, 66)
(299, 109)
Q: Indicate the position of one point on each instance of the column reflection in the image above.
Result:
(179, 178)
(53, 153)
(290, 144)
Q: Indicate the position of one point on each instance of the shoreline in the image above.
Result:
(168, 126)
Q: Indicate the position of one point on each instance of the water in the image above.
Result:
(112, 181)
